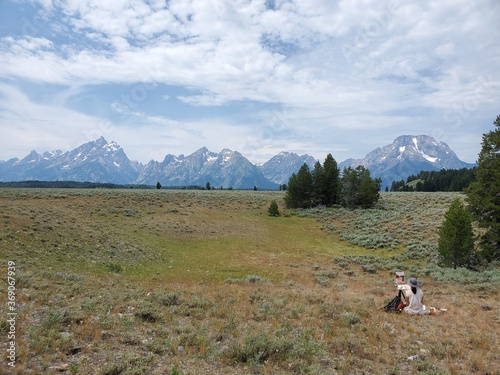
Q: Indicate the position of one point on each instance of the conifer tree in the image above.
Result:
(305, 181)
(299, 191)
(292, 192)
(273, 209)
(483, 195)
(350, 188)
(331, 180)
(369, 189)
(320, 191)
(456, 238)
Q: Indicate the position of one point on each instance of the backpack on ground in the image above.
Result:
(397, 304)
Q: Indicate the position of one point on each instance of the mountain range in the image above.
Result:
(103, 161)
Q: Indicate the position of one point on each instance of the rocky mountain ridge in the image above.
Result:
(408, 155)
(103, 161)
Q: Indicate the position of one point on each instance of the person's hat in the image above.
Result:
(413, 282)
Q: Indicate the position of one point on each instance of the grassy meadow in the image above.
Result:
(205, 282)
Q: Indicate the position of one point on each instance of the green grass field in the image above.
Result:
(206, 282)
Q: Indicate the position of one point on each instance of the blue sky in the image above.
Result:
(258, 77)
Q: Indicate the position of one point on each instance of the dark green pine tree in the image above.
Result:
(331, 180)
(292, 192)
(273, 209)
(483, 195)
(349, 188)
(456, 237)
(304, 177)
(319, 194)
(300, 187)
(369, 188)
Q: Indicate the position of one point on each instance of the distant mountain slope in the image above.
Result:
(407, 155)
(96, 161)
(225, 169)
(279, 168)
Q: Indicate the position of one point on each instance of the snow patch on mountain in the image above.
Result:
(424, 155)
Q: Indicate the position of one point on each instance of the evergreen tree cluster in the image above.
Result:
(483, 195)
(456, 235)
(358, 188)
(324, 186)
(443, 180)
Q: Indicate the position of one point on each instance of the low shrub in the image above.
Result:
(350, 318)
(259, 347)
(418, 250)
(114, 267)
(169, 299)
(129, 364)
(147, 312)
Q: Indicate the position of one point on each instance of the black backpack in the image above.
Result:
(397, 303)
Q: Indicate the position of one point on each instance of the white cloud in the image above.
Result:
(26, 126)
(338, 68)
(202, 100)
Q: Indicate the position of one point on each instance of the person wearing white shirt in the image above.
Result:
(415, 299)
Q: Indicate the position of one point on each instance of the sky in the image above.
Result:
(258, 77)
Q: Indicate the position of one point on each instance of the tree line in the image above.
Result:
(68, 185)
(326, 186)
(88, 185)
(443, 180)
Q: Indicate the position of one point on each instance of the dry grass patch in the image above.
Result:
(183, 282)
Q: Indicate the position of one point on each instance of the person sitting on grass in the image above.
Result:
(415, 299)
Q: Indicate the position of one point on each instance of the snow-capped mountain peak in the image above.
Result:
(95, 161)
(407, 155)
